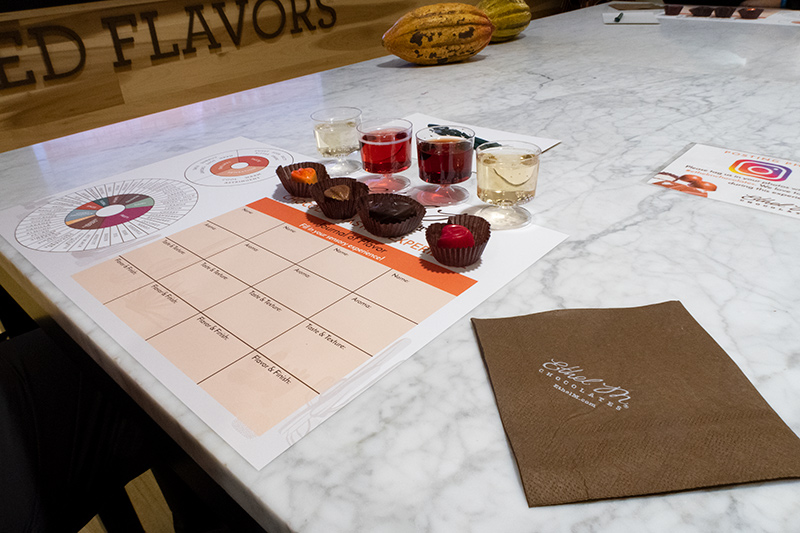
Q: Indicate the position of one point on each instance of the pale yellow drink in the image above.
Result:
(507, 174)
(336, 139)
(336, 133)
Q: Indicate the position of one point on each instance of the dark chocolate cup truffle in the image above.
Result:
(750, 12)
(724, 12)
(701, 11)
(390, 215)
(459, 257)
(338, 209)
(673, 9)
(296, 188)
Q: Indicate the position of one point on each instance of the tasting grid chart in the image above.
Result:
(266, 307)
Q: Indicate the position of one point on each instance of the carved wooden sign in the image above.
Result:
(64, 70)
(265, 22)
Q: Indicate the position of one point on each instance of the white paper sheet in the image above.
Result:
(158, 257)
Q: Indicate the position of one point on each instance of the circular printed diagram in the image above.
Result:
(105, 215)
(237, 167)
(109, 211)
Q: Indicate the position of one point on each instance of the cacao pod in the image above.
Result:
(439, 33)
(509, 17)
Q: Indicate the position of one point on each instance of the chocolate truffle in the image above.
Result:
(455, 236)
(338, 192)
(724, 12)
(701, 11)
(460, 256)
(338, 197)
(750, 12)
(390, 215)
(297, 188)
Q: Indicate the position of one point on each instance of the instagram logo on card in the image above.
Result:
(760, 169)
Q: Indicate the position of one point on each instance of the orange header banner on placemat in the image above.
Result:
(425, 271)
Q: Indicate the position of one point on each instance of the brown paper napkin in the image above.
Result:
(623, 402)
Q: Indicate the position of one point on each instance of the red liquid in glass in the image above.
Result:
(445, 161)
(386, 151)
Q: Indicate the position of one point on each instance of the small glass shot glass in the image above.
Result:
(445, 155)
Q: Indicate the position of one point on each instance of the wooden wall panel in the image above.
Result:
(138, 75)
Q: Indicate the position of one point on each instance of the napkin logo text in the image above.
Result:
(590, 391)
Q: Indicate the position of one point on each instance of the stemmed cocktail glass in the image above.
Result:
(507, 176)
(335, 129)
(385, 151)
(445, 157)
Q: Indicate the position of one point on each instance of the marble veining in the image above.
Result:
(423, 449)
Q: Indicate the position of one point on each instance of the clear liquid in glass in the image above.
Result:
(507, 175)
(336, 139)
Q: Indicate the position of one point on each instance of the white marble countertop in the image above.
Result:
(423, 449)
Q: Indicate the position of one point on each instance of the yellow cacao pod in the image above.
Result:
(509, 17)
(439, 33)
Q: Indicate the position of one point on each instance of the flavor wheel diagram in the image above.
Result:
(110, 211)
(237, 167)
(105, 215)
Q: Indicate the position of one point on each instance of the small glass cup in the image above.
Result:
(385, 151)
(335, 129)
(507, 175)
(444, 154)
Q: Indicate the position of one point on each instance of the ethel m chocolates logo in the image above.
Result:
(590, 391)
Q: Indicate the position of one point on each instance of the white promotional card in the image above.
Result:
(743, 178)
